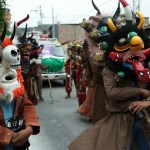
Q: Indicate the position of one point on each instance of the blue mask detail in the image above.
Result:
(127, 65)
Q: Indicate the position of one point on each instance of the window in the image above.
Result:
(52, 50)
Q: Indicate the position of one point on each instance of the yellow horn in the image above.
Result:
(111, 25)
(141, 23)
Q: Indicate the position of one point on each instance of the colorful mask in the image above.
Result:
(128, 44)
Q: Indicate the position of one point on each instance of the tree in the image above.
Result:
(2, 13)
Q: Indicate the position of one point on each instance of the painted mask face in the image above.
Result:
(11, 57)
(128, 46)
(103, 30)
(10, 62)
(28, 47)
(130, 50)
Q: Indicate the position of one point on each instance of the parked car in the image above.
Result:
(52, 57)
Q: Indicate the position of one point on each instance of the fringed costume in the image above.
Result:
(71, 69)
(31, 66)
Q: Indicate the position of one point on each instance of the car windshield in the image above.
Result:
(52, 50)
(58, 51)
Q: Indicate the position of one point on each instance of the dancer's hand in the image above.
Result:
(22, 136)
(145, 93)
(14, 135)
(138, 106)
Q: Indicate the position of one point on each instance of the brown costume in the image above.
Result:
(95, 66)
(114, 131)
(97, 63)
(86, 108)
(99, 95)
(93, 26)
(26, 110)
(34, 71)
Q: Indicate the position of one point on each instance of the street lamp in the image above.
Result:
(39, 11)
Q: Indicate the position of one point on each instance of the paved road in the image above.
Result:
(60, 123)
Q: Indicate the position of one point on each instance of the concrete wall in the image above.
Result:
(64, 32)
(68, 32)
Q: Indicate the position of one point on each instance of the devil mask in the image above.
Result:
(127, 44)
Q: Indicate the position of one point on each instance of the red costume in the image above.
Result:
(31, 67)
(81, 83)
(68, 84)
(70, 68)
(34, 71)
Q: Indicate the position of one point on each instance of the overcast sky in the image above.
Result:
(65, 11)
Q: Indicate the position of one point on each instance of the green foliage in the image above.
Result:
(2, 13)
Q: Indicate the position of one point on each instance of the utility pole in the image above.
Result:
(39, 11)
(53, 22)
(41, 16)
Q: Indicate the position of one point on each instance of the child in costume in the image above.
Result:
(17, 114)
